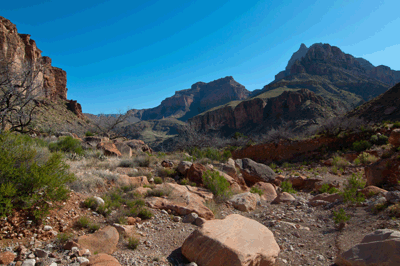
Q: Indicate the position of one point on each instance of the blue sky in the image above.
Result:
(133, 54)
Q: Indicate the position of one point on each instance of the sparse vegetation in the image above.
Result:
(133, 243)
(256, 190)
(361, 145)
(339, 162)
(218, 185)
(326, 188)
(351, 186)
(366, 158)
(340, 216)
(287, 187)
(67, 144)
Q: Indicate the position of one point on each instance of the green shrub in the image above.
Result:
(339, 162)
(210, 153)
(28, 179)
(361, 145)
(256, 190)
(379, 140)
(142, 161)
(187, 182)
(158, 192)
(158, 180)
(63, 238)
(357, 162)
(218, 185)
(366, 158)
(67, 144)
(165, 172)
(133, 243)
(340, 216)
(287, 187)
(83, 222)
(90, 203)
(127, 163)
(89, 134)
(351, 186)
(325, 188)
(273, 166)
(396, 124)
(145, 214)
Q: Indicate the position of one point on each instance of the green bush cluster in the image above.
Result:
(85, 222)
(256, 190)
(67, 144)
(287, 187)
(340, 216)
(351, 186)
(218, 185)
(379, 140)
(361, 145)
(339, 162)
(365, 158)
(30, 177)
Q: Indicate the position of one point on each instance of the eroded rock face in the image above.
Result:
(379, 248)
(235, 241)
(20, 49)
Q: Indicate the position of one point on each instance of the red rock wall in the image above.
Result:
(21, 50)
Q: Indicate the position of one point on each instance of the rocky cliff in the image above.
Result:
(20, 51)
(258, 114)
(199, 98)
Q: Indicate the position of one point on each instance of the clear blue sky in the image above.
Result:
(121, 54)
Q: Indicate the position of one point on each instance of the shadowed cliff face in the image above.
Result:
(260, 114)
(21, 51)
(199, 98)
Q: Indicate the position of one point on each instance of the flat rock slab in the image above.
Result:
(235, 241)
(379, 248)
(103, 241)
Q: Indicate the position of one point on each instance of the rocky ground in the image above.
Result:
(302, 222)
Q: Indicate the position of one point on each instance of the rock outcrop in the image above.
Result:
(20, 52)
(235, 241)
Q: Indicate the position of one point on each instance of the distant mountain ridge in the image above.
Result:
(199, 98)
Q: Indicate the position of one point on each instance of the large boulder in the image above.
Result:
(284, 197)
(183, 167)
(109, 149)
(245, 202)
(255, 172)
(184, 200)
(103, 241)
(124, 149)
(372, 191)
(137, 181)
(269, 191)
(230, 170)
(385, 171)
(394, 137)
(379, 248)
(195, 173)
(103, 260)
(235, 241)
(138, 145)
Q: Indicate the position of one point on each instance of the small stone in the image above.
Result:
(47, 228)
(177, 219)
(320, 258)
(190, 218)
(40, 253)
(82, 260)
(99, 201)
(30, 262)
(7, 257)
(164, 212)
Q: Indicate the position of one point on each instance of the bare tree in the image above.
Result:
(20, 87)
(109, 125)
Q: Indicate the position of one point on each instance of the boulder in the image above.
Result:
(92, 141)
(6, 257)
(297, 181)
(235, 241)
(103, 260)
(394, 137)
(372, 191)
(230, 170)
(245, 202)
(103, 241)
(195, 173)
(393, 196)
(183, 167)
(125, 229)
(379, 248)
(385, 171)
(109, 149)
(184, 200)
(167, 163)
(255, 172)
(268, 190)
(124, 149)
(330, 198)
(137, 181)
(138, 145)
(284, 197)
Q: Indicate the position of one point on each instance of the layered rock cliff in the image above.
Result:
(259, 114)
(199, 98)
(20, 52)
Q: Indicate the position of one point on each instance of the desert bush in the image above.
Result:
(256, 190)
(218, 185)
(165, 172)
(142, 161)
(158, 180)
(394, 210)
(337, 125)
(340, 216)
(379, 140)
(89, 134)
(28, 181)
(366, 158)
(339, 162)
(287, 187)
(128, 163)
(396, 124)
(91, 203)
(361, 145)
(351, 186)
(325, 188)
(210, 153)
(67, 144)
(133, 243)
(187, 182)
(158, 192)
(145, 214)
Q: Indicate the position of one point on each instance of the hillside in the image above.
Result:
(383, 107)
